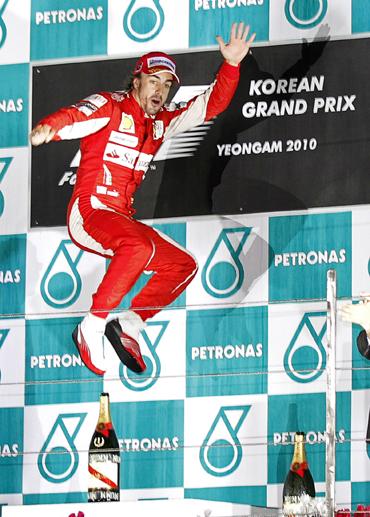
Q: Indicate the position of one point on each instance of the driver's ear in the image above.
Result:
(136, 82)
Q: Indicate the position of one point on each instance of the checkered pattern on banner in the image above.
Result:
(50, 29)
(214, 416)
(233, 370)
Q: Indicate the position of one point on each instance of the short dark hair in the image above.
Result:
(130, 82)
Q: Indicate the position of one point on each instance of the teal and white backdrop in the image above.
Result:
(224, 392)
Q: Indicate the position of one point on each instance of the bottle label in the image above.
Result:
(104, 428)
(295, 499)
(103, 474)
(299, 468)
(297, 505)
(101, 495)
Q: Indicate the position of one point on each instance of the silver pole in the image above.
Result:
(331, 298)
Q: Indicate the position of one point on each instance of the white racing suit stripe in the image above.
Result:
(79, 234)
(190, 118)
(81, 129)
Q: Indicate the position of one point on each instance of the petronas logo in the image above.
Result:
(4, 166)
(61, 283)
(3, 29)
(305, 14)
(58, 459)
(223, 272)
(221, 451)
(143, 20)
(3, 335)
(305, 357)
(152, 336)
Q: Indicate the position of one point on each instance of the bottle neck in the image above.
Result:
(104, 410)
(299, 455)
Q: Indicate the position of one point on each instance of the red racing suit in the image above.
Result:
(118, 142)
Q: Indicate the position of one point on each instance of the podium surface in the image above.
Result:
(162, 508)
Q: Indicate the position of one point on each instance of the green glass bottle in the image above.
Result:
(104, 458)
(299, 481)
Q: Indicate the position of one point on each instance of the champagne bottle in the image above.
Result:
(104, 458)
(298, 481)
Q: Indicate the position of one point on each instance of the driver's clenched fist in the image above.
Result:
(41, 134)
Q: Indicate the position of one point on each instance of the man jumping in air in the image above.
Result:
(120, 133)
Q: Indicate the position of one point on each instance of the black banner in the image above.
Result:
(295, 136)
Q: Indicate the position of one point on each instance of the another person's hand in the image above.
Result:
(238, 47)
(41, 134)
(358, 313)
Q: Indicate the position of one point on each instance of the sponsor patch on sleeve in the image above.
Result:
(118, 96)
(96, 99)
(172, 106)
(86, 107)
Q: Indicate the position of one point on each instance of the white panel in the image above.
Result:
(15, 39)
(39, 422)
(163, 30)
(163, 349)
(61, 278)
(12, 361)
(200, 415)
(338, 17)
(360, 452)
(11, 499)
(232, 254)
(289, 328)
(361, 250)
(13, 190)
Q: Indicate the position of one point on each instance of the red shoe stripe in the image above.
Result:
(133, 348)
(84, 350)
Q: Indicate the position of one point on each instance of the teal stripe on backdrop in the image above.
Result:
(255, 495)
(207, 21)
(360, 493)
(11, 446)
(55, 373)
(360, 16)
(12, 275)
(14, 105)
(67, 497)
(65, 28)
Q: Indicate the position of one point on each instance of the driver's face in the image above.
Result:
(151, 91)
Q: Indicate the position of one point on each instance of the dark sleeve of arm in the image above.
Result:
(206, 105)
(363, 344)
(81, 119)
